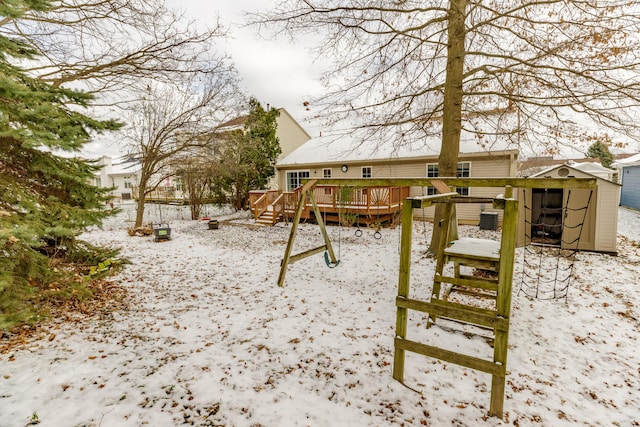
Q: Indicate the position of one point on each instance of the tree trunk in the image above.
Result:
(452, 108)
(142, 196)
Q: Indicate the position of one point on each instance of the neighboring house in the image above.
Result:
(629, 172)
(123, 177)
(325, 157)
(566, 217)
(291, 135)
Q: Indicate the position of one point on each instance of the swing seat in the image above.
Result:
(327, 260)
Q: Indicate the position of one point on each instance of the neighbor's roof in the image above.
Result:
(629, 161)
(124, 168)
(328, 149)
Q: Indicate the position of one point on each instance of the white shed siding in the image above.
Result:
(607, 216)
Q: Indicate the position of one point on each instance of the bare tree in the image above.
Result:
(170, 121)
(196, 176)
(523, 71)
(107, 45)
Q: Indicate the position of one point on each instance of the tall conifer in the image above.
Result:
(46, 196)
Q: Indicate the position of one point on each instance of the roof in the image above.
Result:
(238, 122)
(332, 149)
(124, 168)
(575, 168)
(534, 165)
(633, 160)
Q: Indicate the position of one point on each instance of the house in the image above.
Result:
(326, 157)
(629, 172)
(570, 218)
(121, 177)
(291, 135)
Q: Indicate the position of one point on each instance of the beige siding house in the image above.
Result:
(291, 136)
(567, 218)
(324, 158)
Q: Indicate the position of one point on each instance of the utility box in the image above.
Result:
(489, 221)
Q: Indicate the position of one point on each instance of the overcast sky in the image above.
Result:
(277, 72)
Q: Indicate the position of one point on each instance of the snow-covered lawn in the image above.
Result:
(209, 339)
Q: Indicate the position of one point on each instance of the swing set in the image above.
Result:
(494, 257)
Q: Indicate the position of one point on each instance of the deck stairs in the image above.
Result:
(269, 217)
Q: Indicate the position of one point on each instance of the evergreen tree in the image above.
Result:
(46, 199)
(600, 150)
(248, 156)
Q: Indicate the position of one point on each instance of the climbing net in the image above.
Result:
(547, 269)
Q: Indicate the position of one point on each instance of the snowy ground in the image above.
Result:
(209, 339)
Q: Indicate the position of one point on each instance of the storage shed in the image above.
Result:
(570, 218)
(629, 171)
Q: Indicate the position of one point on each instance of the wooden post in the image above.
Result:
(404, 279)
(503, 301)
(294, 229)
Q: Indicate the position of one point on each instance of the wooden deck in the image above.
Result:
(375, 206)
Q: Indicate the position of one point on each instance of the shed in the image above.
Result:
(629, 172)
(570, 218)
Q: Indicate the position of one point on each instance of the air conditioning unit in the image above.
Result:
(489, 221)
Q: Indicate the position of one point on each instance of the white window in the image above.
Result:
(366, 171)
(464, 171)
(294, 179)
(326, 173)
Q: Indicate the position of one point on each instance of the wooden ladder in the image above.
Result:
(475, 253)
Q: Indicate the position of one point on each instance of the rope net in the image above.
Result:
(548, 261)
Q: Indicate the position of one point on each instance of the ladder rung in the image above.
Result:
(487, 366)
(463, 313)
(487, 285)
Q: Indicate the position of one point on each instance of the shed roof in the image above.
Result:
(575, 169)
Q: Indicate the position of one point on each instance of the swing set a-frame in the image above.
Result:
(493, 257)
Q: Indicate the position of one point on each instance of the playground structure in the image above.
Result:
(495, 260)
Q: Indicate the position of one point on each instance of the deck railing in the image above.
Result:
(366, 200)
(261, 200)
